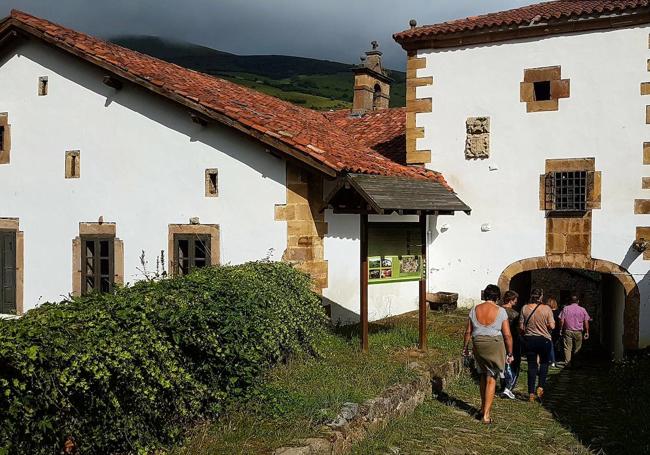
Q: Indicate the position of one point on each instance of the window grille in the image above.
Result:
(98, 264)
(566, 191)
(191, 251)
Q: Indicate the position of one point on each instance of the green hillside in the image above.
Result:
(313, 83)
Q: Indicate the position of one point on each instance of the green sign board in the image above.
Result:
(389, 269)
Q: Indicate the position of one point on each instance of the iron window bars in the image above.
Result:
(566, 191)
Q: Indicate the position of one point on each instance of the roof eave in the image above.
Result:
(487, 35)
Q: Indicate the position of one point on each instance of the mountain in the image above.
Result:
(313, 83)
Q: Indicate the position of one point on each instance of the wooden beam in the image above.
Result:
(364, 281)
(198, 119)
(422, 311)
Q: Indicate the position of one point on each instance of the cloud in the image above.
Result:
(337, 30)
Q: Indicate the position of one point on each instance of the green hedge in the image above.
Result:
(130, 371)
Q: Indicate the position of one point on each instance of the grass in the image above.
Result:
(599, 408)
(296, 399)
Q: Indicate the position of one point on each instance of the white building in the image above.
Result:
(115, 166)
(535, 116)
(538, 118)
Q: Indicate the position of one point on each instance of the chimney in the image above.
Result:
(371, 83)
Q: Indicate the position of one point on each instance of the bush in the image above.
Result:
(130, 371)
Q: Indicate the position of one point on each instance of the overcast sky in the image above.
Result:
(338, 30)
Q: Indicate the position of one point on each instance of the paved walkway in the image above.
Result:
(598, 408)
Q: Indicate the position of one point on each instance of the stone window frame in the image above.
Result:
(96, 229)
(5, 152)
(13, 224)
(587, 165)
(211, 230)
(559, 88)
(212, 186)
(72, 164)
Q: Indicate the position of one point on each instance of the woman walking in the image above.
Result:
(489, 331)
(535, 324)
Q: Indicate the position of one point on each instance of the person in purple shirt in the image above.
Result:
(574, 321)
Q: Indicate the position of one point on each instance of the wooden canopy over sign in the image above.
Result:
(379, 194)
(376, 194)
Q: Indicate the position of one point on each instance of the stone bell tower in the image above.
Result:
(371, 83)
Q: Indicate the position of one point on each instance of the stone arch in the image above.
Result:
(571, 261)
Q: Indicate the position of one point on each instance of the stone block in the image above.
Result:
(578, 243)
(645, 88)
(570, 164)
(280, 213)
(298, 254)
(645, 183)
(526, 92)
(646, 153)
(642, 206)
(555, 243)
(560, 89)
(547, 73)
(541, 106)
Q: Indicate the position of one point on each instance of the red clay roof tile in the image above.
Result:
(522, 16)
(296, 127)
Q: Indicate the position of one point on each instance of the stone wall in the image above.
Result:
(356, 421)
(306, 226)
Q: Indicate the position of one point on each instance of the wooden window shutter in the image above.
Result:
(8, 272)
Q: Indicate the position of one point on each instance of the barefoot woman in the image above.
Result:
(488, 329)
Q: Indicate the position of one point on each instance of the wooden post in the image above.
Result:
(422, 312)
(364, 281)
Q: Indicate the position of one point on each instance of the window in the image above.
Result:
(191, 246)
(72, 164)
(211, 183)
(566, 191)
(8, 258)
(98, 264)
(190, 252)
(98, 258)
(542, 90)
(5, 138)
(42, 86)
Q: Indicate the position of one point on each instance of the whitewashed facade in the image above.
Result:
(603, 118)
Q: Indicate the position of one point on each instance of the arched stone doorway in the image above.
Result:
(580, 262)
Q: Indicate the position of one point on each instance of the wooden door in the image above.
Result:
(7, 272)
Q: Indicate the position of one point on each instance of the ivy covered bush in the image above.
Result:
(130, 371)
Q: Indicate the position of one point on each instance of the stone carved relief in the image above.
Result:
(477, 144)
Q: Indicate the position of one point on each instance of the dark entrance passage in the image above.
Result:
(7, 272)
(601, 294)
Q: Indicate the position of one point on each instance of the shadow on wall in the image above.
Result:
(152, 106)
(339, 314)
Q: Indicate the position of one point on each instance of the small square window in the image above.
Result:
(72, 164)
(542, 90)
(211, 183)
(42, 86)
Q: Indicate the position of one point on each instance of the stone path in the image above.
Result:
(598, 409)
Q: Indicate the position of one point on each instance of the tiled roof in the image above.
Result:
(303, 133)
(527, 15)
(383, 130)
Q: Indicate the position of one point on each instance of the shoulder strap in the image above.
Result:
(530, 316)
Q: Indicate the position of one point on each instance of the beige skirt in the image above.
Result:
(489, 355)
